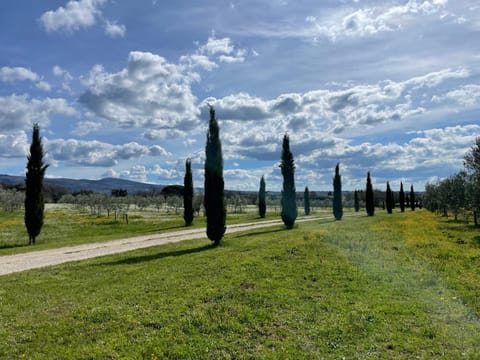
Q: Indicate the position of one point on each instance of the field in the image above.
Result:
(399, 286)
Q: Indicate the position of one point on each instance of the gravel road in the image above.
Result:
(37, 259)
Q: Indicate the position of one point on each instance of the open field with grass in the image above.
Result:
(65, 226)
(390, 287)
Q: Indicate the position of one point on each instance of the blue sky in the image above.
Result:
(120, 88)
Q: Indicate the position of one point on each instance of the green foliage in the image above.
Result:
(362, 288)
(356, 201)
(288, 202)
(34, 197)
(412, 198)
(337, 194)
(214, 184)
(389, 199)
(262, 204)
(188, 194)
(369, 201)
(306, 201)
(472, 158)
(401, 198)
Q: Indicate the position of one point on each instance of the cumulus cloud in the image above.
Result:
(97, 153)
(13, 74)
(372, 20)
(113, 29)
(74, 16)
(14, 145)
(149, 93)
(78, 14)
(20, 112)
(466, 95)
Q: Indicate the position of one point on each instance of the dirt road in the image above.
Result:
(37, 259)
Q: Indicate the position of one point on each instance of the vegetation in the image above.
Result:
(289, 204)
(34, 200)
(337, 194)
(369, 201)
(306, 201)
(401, 198)
(214, 184)
(188, 194)
(376, 287)
(356, 201)
(262, 203)
(412, 198)
(389, 201)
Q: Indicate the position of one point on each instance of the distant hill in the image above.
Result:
(103, 185)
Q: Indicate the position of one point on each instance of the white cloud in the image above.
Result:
(97, 153)
(14, 145)
(20, 112)
(13, 74)
(74, 16)
(86, 127)
(215, 46)
(466, 95)
(113, 29)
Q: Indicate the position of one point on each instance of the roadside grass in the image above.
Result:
(64, 226)
(361, 288)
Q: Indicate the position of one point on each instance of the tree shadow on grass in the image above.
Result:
(157, 256)
(11, 246)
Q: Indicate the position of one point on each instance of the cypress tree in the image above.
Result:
(262, 205)
(389, 199)
(306, 201)
(214, 185)
(188, 194)
(356, 201)
(288, 202)
(34, 201)
(401, 198)
(337, 194)
(369, 201)
(412, 198)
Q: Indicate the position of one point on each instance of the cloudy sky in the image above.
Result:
(120, 88)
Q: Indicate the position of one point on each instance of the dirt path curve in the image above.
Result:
(37, 259)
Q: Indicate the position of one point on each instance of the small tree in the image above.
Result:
(262, 204)
(389, 199)
(306, 201)
(337, 194)
(412, 198)
(188, 194)
(288, 201)
(369, 201)
(34, 201)
(214, 184)
(356, 201)
(401, 198)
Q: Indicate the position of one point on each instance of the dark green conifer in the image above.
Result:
(401, 198)
(214, 184)
(356, 201)
(306, 201)
(369, 201)
(412, 198)
(262, 204)
(337, 194)
(188, 194)
(389, 199)
(288, 202)
(34, 200)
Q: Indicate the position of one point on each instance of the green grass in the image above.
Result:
(64, 226)
(362, 288)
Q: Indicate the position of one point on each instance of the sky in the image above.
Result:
(122, 88)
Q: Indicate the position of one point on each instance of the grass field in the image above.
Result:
(401, 286)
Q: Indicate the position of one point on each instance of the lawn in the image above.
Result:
(398, 286)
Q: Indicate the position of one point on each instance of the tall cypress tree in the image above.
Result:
(369, 201)
(34, 201)
(306, 200)
(188, 194)
(337, 194)
(401, 198)
(214, 184)
(412, 198)
(288, 202)
(356, 201)
(262, 204)
(389, 199)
